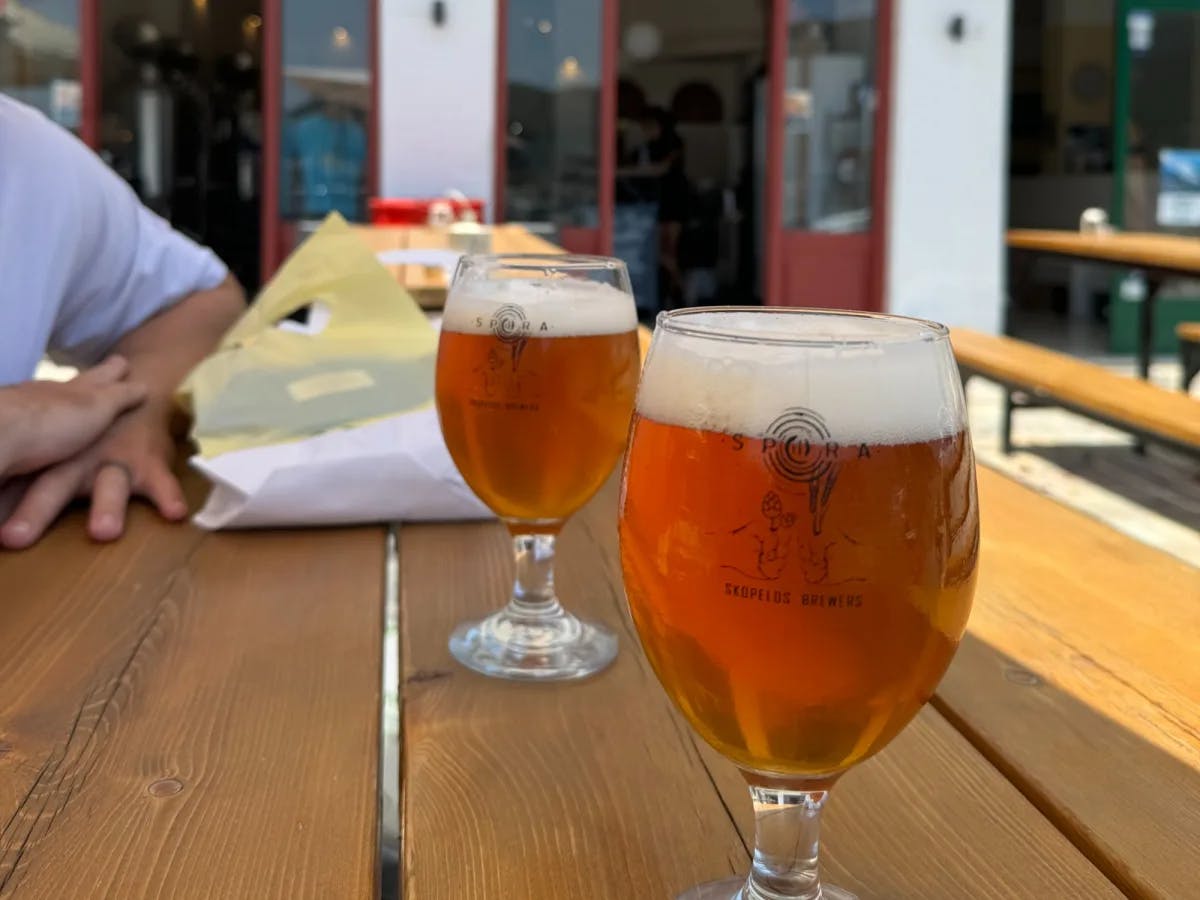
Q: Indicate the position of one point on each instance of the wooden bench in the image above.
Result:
(1189, 351)
(1049, 378)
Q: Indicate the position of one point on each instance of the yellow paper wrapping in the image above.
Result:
(367, 351)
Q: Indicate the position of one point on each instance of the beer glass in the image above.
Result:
(536, 372)
(799, 538)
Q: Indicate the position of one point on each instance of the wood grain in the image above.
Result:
(190, 715)
(1167, 253)
(1047, 373)
(600, 790)
(1080, 680)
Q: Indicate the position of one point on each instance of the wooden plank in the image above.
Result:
(518, 239)
(1152, 409)
(428, 284)
(191, 716)
(1167, 253)
(1080, 680)
(599, 789)
(70, 612)
(381, 239)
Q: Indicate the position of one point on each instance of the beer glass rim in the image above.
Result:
(894, 329)
(538, 262)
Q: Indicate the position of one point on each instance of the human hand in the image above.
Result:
(133, 458)
(45, 422)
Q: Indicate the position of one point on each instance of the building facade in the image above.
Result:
(835, 153)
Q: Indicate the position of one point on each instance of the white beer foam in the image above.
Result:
(869, 384)
(567, 307)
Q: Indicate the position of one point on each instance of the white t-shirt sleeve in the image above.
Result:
(122, 263)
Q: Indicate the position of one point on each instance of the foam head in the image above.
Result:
(869, 379)
(552, 307)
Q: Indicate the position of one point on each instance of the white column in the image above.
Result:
(437, 96)
(947, 171)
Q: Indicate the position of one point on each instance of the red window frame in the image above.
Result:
(275, 237)
(826, 258)
(582, 240)
(796, 260)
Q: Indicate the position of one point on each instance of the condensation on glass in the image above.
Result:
(39, 57)
(326, 103)
(551, 134)
(829, 112)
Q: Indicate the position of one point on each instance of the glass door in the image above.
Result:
(319, 107)
(555, 119)
(40, 57)
(1157, 148)
(826, 131)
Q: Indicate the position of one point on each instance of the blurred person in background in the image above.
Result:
(661, 157)
(94, 279)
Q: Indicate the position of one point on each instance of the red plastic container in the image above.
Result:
(410, 211)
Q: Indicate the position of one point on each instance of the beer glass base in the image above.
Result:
(561, 648)
(732, 889)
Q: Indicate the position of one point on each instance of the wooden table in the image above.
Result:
(189, 715)
(1159, 256)
(186, 715)
(428, 284)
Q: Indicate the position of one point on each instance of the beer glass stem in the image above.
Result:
(533, 593)
(786, 836)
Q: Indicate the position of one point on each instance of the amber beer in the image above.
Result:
(798, 592)
(535, 413)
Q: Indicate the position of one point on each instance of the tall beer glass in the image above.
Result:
(536, 372)
(799, 536)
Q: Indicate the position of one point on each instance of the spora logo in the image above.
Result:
(510, 324)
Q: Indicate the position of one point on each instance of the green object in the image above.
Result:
(1169, 312)
(1174, 130)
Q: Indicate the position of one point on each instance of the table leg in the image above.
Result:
(1006, 443)
(1146, 327)
(1146, 340)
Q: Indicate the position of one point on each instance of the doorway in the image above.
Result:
(691, 150)
(729, 152)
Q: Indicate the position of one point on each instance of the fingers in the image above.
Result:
(111, 491)
(46, 497)
(110, 500)
(112, 370)
(111, 389)
(121, 396)
(162, 488)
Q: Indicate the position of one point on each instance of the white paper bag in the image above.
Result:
(392, 469)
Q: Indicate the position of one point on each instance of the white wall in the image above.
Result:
(949, 137)
(437, 97)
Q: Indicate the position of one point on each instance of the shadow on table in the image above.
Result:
(1128, 799)
(1162, 481)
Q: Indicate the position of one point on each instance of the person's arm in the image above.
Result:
(136, 455)
(161, 352)
(163, 349)
(125, 281)
(45, 422)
